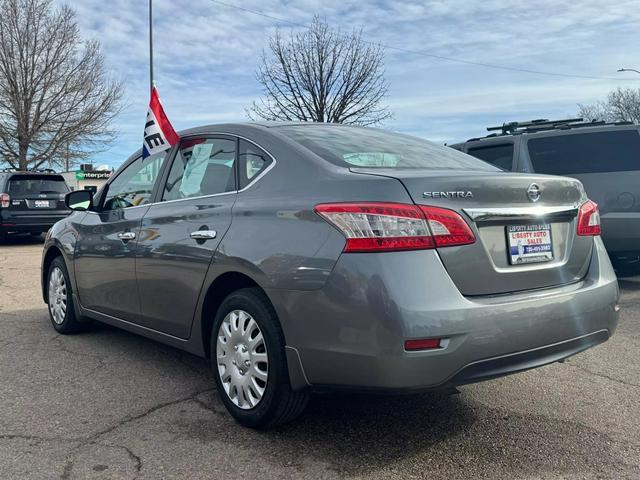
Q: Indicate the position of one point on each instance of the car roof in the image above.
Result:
(232, 127)
(242, 129)
(549, 128)
(29, 172)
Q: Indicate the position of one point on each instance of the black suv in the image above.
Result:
(31, 202)
(605, 157)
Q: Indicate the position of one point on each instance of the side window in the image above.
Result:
(253, 161)
(596, 152)
(203, 166)
(499, 155)
(134, 185)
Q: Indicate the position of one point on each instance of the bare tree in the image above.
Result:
(56, 102)
(322, 75)
(622, 104)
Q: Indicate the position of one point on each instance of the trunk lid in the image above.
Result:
(495, 204)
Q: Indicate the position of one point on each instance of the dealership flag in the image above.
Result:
(159, 135)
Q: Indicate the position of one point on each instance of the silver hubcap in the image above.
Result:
(57, 296)
(243, 363)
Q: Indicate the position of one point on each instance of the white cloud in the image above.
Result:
(206, 55)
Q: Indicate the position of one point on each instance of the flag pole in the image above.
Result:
(150, 45)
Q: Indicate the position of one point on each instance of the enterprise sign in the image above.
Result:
(96, 175)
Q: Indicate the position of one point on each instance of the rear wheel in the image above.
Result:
(60, 299)
(248, 359)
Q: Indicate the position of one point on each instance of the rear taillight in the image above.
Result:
(375, 227)
(589, 219)
(447, 227)
(5, 199)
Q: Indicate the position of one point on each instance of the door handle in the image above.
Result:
(126, 236)
(203, 234)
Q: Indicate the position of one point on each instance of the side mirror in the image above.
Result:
(81, 200)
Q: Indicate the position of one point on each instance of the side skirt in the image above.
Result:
(180, 343)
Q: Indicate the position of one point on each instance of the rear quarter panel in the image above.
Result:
(276, 235)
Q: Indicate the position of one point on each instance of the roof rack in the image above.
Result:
(513, 127)
(541, 124)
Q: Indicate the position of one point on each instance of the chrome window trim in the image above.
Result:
(231, 192)
(520, 213)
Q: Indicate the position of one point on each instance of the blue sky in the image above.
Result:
(206, 55)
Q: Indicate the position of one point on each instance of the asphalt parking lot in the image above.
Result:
(109, 404)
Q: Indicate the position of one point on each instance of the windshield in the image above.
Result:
(373, 148)
(36, 184)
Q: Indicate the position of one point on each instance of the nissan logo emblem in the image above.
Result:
(533, 192)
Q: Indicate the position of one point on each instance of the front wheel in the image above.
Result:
(249, 362)
(60, 299)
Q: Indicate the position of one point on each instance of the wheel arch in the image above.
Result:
(221, 287)
(52, 253)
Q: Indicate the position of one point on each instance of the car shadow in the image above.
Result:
(629, 284)
(348, 434)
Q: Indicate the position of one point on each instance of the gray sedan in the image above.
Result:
(306, 257)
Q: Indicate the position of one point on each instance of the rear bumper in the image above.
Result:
(521, 361)
(31, 222)
(350, 334)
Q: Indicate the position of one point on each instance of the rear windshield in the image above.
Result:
(613, 151)
(499, 155)
(35, 184)
(373, 148)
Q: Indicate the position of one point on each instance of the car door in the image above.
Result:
(108, 238)
(181, 231)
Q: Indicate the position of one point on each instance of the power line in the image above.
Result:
(431, 55)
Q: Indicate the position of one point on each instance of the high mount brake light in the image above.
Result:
(378, 227)
(589, 219)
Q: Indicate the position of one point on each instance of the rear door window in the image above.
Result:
(30, 185)
(203, 166)
(499, 155)
(596, 152)
(252, 161)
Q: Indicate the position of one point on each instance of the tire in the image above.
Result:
(262, 401)
(60, 299)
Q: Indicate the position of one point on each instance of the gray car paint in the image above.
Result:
(620, 222)
(486, 259)
(344, 316)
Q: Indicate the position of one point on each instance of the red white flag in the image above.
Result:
(159, 135)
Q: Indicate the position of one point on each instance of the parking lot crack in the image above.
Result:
(137, 461)
(603, 375)
(147, 412)
(38, 439)
(94, 439)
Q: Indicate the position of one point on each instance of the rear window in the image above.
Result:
(613, 151)
(35, 184)
(373, 148)
(499, 155)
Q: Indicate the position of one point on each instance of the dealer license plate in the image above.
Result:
(42, 203)
(529, 243)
